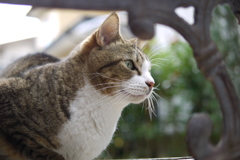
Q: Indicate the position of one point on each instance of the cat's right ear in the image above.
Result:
(108, 31)
(139, 42)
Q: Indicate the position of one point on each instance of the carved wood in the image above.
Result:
(142, 17)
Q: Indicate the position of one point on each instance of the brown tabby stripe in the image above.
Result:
(24, 149)
(137, 57)
(110, 64)
(63, 103)
(40, 134)
(36, 91)
(15, 124)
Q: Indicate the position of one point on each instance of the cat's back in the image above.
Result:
(29, 119)
(25, 63)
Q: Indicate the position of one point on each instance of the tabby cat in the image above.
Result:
(53, 109)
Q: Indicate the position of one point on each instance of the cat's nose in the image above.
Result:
(150, 84)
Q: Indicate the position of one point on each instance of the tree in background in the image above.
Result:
(183, 91)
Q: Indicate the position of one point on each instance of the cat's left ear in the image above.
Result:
(108, 31)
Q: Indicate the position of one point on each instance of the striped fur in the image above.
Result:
(43, 98)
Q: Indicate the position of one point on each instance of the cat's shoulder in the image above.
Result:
(25, 63)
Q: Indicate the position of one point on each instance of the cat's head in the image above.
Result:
(117, 67)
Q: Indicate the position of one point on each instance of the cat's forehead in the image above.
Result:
(129, 50)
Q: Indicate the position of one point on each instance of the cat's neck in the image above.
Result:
(93, 121)
(80, 52)
(106, 107)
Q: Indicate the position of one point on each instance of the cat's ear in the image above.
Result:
(139, 42)
(108, 31)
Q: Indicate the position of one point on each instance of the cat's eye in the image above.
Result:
(129, 64)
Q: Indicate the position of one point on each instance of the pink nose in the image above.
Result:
(150, 84)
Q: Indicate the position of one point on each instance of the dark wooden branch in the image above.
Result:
(142, 17)
(74, 4)
(179, 158)
(235, 5)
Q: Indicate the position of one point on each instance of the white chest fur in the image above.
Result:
(93, 121)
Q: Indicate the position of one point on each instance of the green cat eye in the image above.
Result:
(129, 64)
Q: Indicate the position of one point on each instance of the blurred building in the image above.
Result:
(26, 30)
(54, 31)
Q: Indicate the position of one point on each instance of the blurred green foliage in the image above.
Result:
(225, 32)
(183, 91)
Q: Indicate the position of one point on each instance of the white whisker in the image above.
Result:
(159, 62)
(156, 95)
(106, 98)
(100, 74)
(118, 99)
(107, 86)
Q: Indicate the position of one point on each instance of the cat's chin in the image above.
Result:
(140, 100)
(135, 99)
